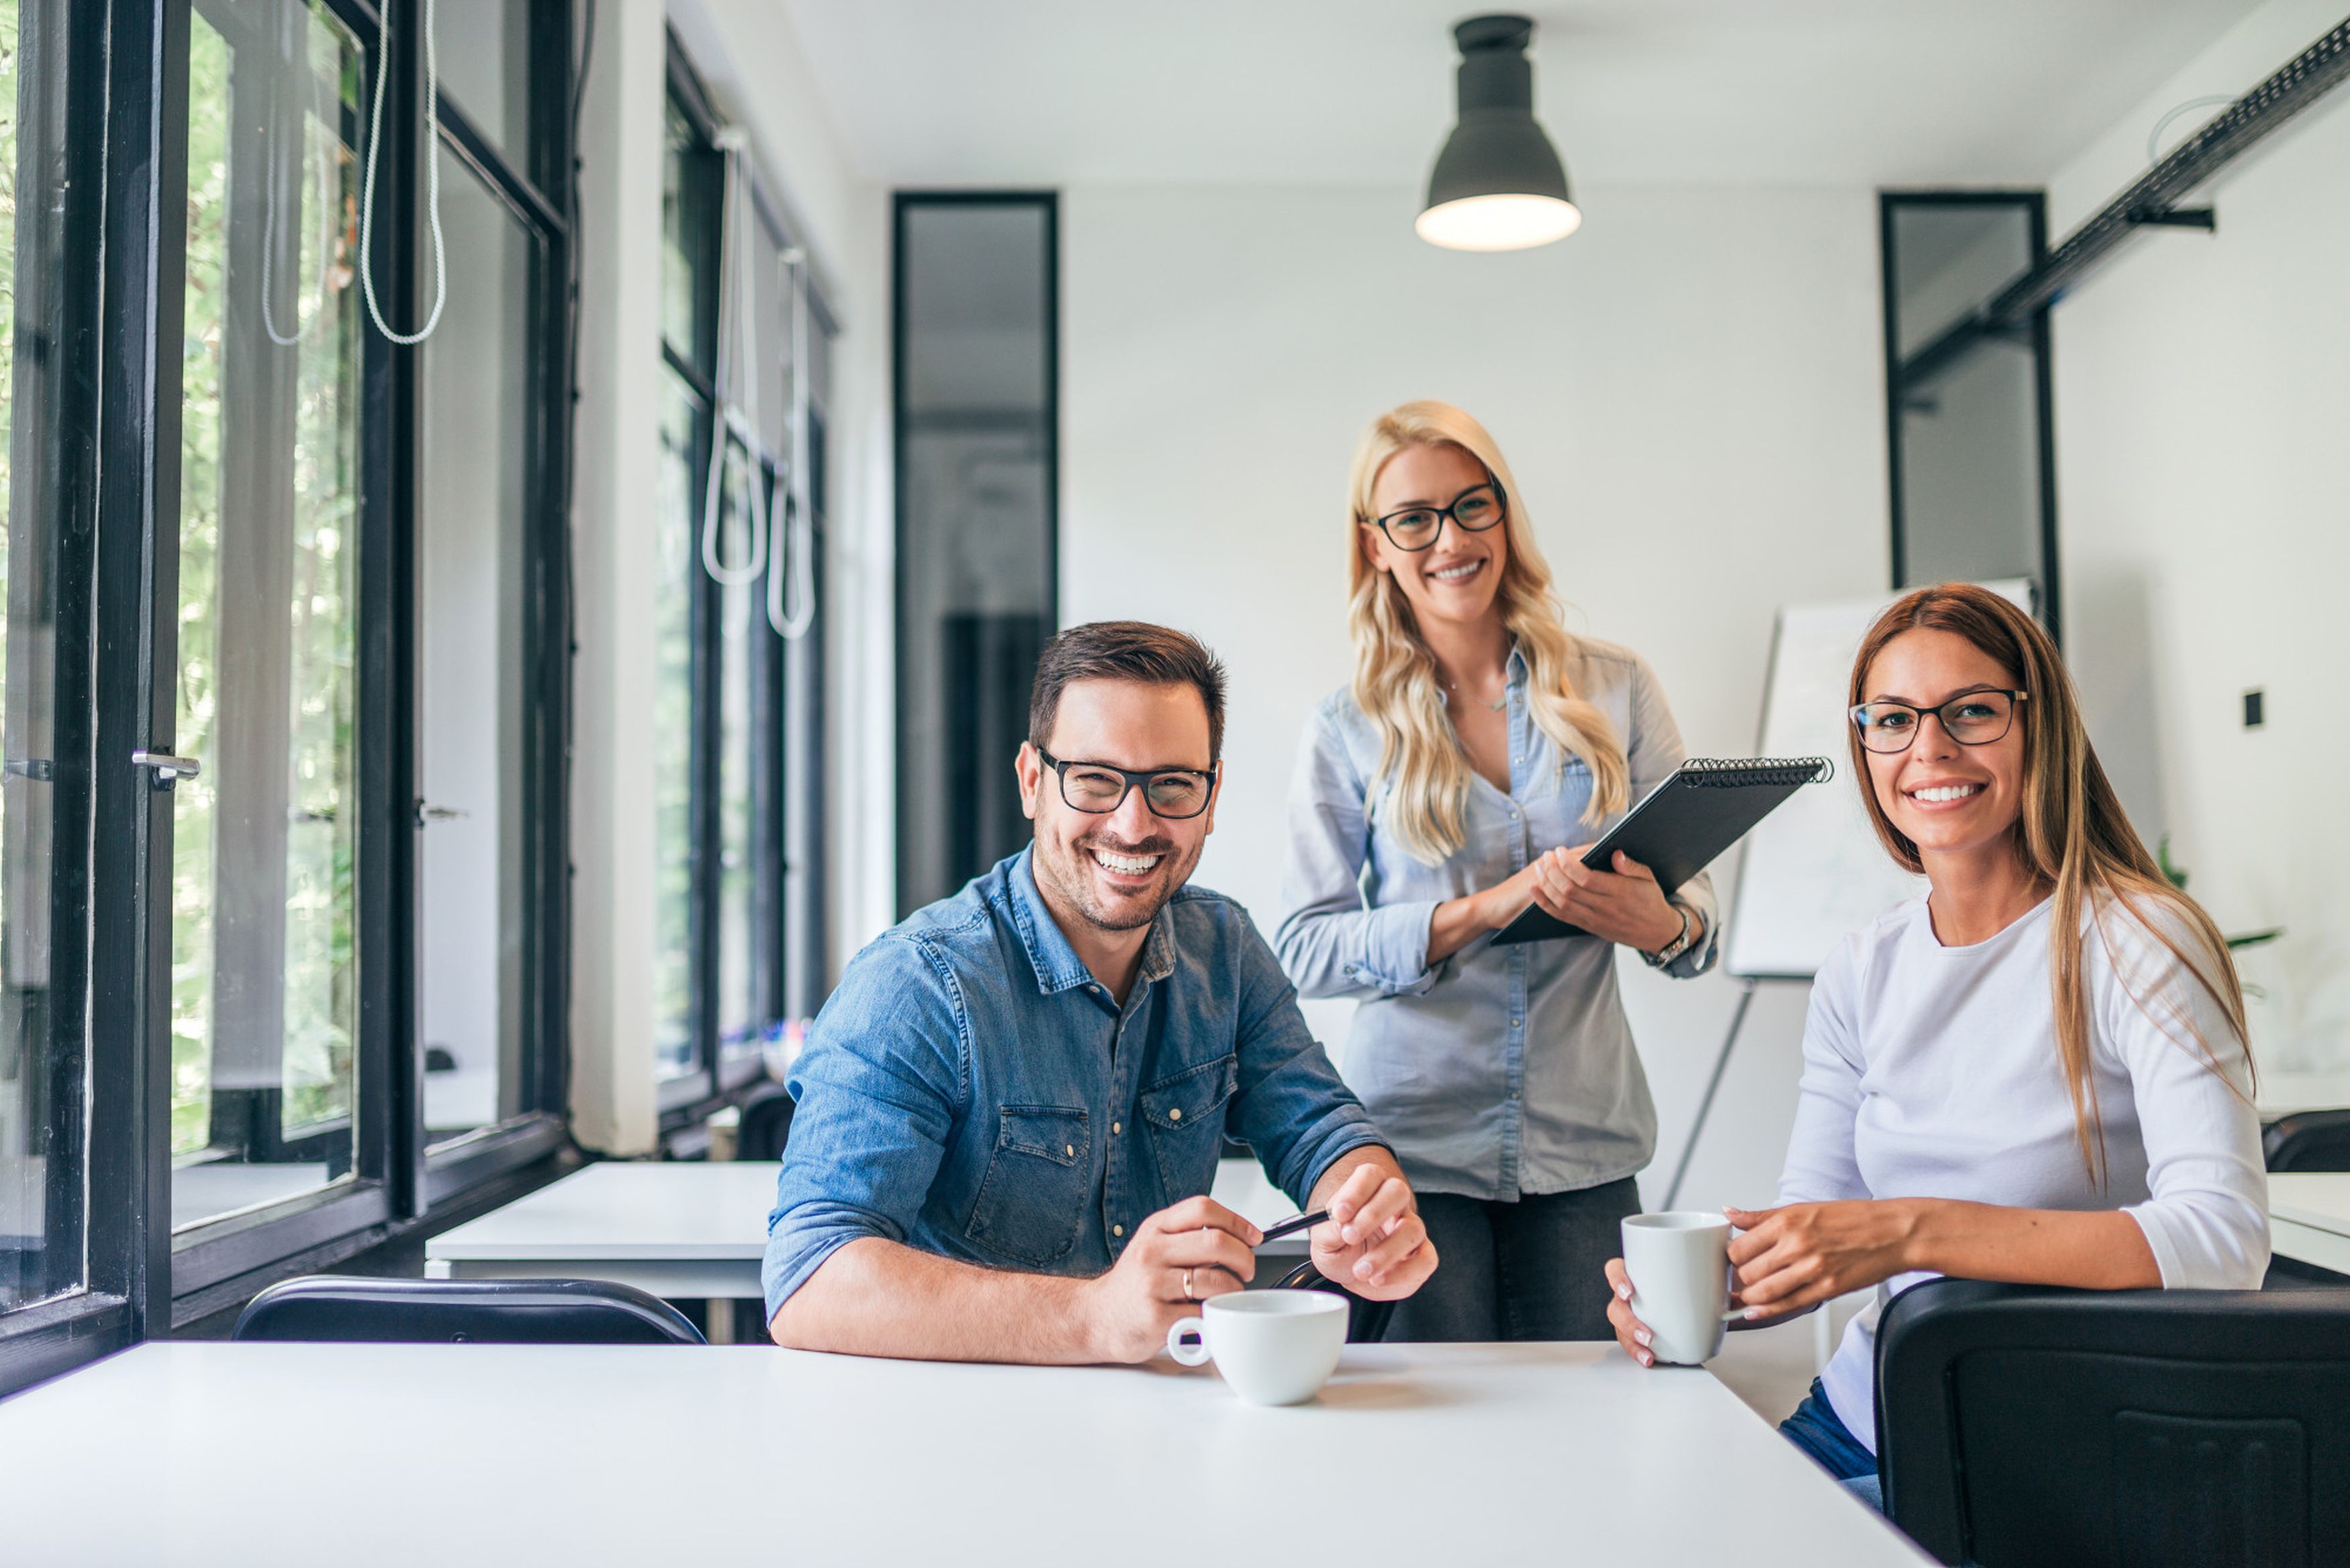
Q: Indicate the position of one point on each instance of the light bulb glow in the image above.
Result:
(1504, 222)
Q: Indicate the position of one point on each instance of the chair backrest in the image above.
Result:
(2021, 1425)
(2308, 1140)
(462, 1311)
(767, 1124)
(1367, 1320)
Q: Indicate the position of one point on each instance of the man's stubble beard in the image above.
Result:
(1072, 871)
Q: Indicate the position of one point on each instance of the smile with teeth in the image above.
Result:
(1125, 864)
(1459, 574)
(1946, 792)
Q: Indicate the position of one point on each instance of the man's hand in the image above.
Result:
(1623, 905)
(1374, 1242)
(1198, 1243)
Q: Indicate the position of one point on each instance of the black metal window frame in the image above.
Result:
(123, 199)
(788, 954)
(2036, 334)
(911, 794)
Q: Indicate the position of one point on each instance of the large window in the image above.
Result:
(977, 308)
(737, 548)
(1973, 446)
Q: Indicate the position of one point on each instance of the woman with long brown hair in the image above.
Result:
(2038, 1072)
(1452, 784)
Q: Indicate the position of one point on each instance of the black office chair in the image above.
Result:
(1367, 1320)
(767, 1124)
(2020, 1426)
(2308, 1140)
(463, 1312)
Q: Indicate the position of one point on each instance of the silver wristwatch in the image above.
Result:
(1677, 946)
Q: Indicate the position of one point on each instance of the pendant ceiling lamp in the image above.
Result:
(1498, 185)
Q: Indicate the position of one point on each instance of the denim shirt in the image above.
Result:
(1501, 1070)
(972, 1090)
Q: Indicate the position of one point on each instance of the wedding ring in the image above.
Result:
(1186, 1286)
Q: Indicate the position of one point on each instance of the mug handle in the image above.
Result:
(1191, 1351)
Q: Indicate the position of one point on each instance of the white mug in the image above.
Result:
(1680, 1265)
(1273, 1346)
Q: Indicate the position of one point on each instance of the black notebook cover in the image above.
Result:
(1686, 821)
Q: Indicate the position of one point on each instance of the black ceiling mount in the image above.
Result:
(2150, 202)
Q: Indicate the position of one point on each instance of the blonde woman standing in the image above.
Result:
(1481, 747)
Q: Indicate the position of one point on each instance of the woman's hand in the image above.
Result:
(1791, 1258)
(1630, 1331)
(1623, 905)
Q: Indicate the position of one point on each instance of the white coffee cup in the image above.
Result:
(1680, 1265)
(1273, 1346)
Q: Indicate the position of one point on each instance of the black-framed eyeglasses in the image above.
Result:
(1971, 718)
(1473, 511)
(1098, 789)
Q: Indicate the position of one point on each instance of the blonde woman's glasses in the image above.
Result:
(1473, 511)
(1971, 718)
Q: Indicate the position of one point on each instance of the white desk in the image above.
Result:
(689, 1230)
(201, 1453)
(2309, 1218)
(2281, 1093)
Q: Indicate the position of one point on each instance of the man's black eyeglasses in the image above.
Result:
(1971, 718)
(1473, 511)
(1098, 789)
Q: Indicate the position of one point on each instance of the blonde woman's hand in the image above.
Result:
(1623, 905)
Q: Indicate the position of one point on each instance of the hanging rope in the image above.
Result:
(792, 521)
(431, 177)
(738, 328)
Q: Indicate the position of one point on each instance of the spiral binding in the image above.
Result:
(1738, 773)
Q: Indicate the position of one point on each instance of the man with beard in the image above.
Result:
(1010, 1112)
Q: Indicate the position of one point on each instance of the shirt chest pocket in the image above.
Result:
(1033, 1198)
(1186, 1116)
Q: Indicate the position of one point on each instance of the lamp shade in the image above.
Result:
(1498, 184)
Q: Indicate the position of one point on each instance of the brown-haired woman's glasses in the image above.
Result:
(1971, 718)
(1099, 789)
(1473, 511)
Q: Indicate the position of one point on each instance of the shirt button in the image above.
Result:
(1174, 1113)
(1516, 1022)
(1117, 1230)
(1072, 1150)
(1115, 1128)
(1513, 1094)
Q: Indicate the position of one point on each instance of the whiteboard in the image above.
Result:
(1813, 870)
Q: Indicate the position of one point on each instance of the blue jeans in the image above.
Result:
(1534, 1269)
(1828, 1443)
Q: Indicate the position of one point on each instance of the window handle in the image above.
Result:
(169, 769)
(426, 815)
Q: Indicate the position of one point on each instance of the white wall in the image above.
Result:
(753, 68)
(1690, 390)
(2201, 400)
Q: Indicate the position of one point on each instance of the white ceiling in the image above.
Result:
(1052, 92)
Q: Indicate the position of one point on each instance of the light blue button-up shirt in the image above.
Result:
(1501, 1070)
(972, 1090)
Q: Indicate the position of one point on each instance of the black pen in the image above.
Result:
(1299, 1223)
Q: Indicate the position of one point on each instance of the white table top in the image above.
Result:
(2283, 1093)
(201, 1453)
(691, 1211)
(2319, 1199)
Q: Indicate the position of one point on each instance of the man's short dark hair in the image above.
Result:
(1132, 650)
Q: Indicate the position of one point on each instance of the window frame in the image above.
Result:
(2034, 204)
(783, 817)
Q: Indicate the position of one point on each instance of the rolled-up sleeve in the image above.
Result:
(1329, 944)
(1291, 1107)
(2206, 1217)
(1656, 751)
(876, 1090)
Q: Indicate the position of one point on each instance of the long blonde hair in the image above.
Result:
(1395, 674)
(2071, 833)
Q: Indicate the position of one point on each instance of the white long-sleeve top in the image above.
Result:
(1931, 1072)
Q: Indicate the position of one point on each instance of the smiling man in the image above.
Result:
(1010, 1112)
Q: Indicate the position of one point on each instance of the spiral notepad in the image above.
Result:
(1681, 826)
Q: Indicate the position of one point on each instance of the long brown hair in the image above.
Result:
(2071, 833)
(1395, 674)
